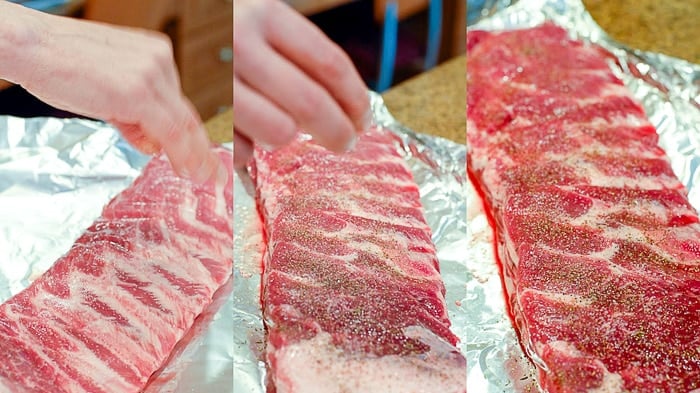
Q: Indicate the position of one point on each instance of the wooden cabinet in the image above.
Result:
(202, 34)
(310, 7)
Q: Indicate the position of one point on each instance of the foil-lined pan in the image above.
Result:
(669, 90)
(438, 168)
(55, 177)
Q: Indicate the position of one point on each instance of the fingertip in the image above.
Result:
(350, 145)
(214, 170)
(344, 140)
(242, 150)
(222, 175)
(366, 121)
(241, 159)
(360, 112)
(207, 169)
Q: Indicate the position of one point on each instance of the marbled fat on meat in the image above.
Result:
(107, 314)
(352, 296)
(599, 244)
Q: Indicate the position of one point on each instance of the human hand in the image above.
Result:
(124, 76)
(287, 76)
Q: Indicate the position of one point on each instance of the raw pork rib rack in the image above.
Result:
(108, 313)
(352, 296)
(599, 245)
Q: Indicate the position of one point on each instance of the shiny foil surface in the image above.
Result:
(55, 177)
(438, 169)
(669, 90)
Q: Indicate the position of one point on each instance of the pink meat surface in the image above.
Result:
(599, 246)
(352, 296)
(107, 314)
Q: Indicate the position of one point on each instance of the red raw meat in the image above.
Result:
(106, 315)
(599, 246)
(352, 296)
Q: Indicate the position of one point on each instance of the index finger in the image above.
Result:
(305, 45)
(176, 127)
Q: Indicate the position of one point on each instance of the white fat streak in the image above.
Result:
(601, 149)
(9, 386)
(608, 90)
(644, 182)
(80, 284)
(273, 191)
(614, 90)
(590, 170)
(377, 251)
(176, 247)
(219, 195)
(594, 217)
(612, 382)
(304, 280)
(386, 178)
(141, 318)
(143, 267)
(481, 157)
(317, 366)
(84, 361)
(687, 232)
(188, 213)
(350, 204)
(605, 254)
(105, 330)
(350, 233)
(559, 297)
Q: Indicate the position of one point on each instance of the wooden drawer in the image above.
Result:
(200, 13)
(310, 7)
(151, 14)
(213, 99)
(405, 9)
(207, 56)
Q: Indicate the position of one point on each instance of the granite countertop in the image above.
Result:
(220, 127)
(433, 102)
(671, 27)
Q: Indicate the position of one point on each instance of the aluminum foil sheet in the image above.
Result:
(438, 168)
(55, 177)
(669, 90)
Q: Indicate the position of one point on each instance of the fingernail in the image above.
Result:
(350, 145)
(203, 173)
(367, 119)
(221, 174)
(185, 173)
(266, 147)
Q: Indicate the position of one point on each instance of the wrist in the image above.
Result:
(22, 34)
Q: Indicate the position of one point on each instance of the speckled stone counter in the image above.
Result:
(671, 27)
(433, 102)
(220, 127)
